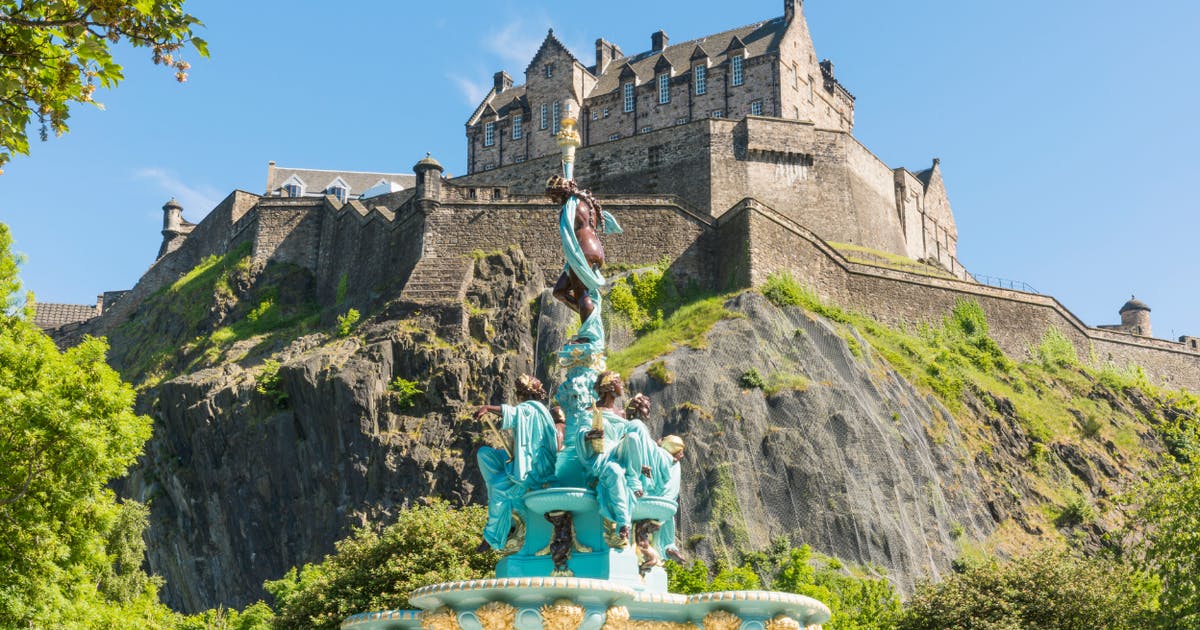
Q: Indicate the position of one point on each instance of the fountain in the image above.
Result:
(584, 528)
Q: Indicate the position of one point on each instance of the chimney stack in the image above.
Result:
(501, 81)
(658, 41)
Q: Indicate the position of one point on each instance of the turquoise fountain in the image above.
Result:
(582, 504)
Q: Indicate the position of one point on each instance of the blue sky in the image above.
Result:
(1067, 130)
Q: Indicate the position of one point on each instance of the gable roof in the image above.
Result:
(549, 42)
(758, 38)
(48, 315)
(315, 180)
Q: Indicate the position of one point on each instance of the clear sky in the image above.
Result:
(1067, 130)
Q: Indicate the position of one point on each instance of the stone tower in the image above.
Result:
(175, 228)
(429, 183)
(1135, 317)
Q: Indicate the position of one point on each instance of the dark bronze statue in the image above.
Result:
(588, 223)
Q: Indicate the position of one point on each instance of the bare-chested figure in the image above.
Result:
(588, 223)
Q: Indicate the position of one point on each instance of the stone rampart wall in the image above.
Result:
(771, 242)
(653, 228)
(374, 250)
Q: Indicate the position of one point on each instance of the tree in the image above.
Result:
(70, 553)
(54, 53)
(1167, 543)
(1043, 589)
(376, 569)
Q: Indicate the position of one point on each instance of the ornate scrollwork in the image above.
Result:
(617, 618)
(563, 614)
(783, 622)
(496, 616)
(722, 620)
(440, 619)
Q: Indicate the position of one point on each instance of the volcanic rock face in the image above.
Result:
(792, 429)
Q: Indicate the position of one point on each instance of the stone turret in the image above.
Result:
(175, 228)
(429, 184)
(1135, 317)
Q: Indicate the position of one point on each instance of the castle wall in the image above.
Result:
(374, 250)
(653, 228)
(667, 162)
(1017, 320)
(289, 230)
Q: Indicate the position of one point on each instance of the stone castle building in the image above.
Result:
(732, 155)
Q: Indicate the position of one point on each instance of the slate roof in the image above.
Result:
(759, 38)
(1134, 304)
(47, 315)
(315, 180)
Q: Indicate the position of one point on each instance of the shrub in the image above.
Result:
(1077, 511)
(751, 379)
(659, 372)
(270, 384)
(1055, 350)
(346, 323)
(781, 289)
(405, 392)
(1045, 589)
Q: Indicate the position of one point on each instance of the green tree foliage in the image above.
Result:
(376, 569)
(1044, 589)
(54, 53)
(857, 603)
(70, 553)
(1168, 542)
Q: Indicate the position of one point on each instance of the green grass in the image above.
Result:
(687, 326)
(887, 260)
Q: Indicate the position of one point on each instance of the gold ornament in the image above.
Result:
(722, 620)
(497, 616)
(440, 619)
(617, 618)
(783, 622)
(563, 614)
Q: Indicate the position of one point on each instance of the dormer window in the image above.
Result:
(700, 78)
(664, 88)
(489, 134)
(337, 191)
(292, 190)
(735, 63)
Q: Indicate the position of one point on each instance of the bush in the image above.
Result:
(1077, 511)
(1045, 589)
(751, 379)
(270, 385)
(781, 289)
(1055, 350)
(405, 392)
(376, 569)
(346, 323)
(659, 372)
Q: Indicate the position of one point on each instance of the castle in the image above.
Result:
(732, 155)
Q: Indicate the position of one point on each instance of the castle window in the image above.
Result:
(717, 113)
(517, 131)
(664, 88)
(557, 117)
(337, 191)
(614, 136)
(647, 129)
(795, 76)
(545, 121)
(519, 159)
(756, 107)
(489, 134)
(736, 64)
(700, 78)
(628, 94)
(606, 112)
(680, 120)
(595, 115)
(293, 190)
(549, 69)
(810, 90)
(471, 193)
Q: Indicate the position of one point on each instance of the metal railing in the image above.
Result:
(1004, 283)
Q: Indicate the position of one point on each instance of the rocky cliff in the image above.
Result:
(270, 443)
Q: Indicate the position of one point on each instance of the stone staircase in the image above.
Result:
(438, 280)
